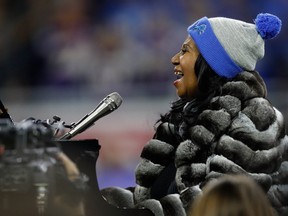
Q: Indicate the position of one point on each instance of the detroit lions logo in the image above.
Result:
(199, 28)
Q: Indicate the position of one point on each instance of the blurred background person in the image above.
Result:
(232, 195)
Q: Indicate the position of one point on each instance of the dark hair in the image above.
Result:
(209, 85)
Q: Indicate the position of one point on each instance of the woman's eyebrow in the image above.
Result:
(187, 45)
(184, 45)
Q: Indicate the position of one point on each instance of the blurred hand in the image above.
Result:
(70, 167)
(60, 202)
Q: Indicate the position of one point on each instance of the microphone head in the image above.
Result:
(115, 98)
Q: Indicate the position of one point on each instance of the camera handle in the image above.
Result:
(41, 198)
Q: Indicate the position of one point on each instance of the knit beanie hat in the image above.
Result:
(231, 46)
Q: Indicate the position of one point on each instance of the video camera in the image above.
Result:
(28, 166)
(31, 177)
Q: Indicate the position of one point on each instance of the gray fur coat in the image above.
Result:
(240, 132)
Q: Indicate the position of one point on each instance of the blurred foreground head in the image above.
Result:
(232, 196)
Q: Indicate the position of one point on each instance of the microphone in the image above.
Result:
(110, 103)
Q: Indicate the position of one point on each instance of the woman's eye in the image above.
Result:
(183, 50)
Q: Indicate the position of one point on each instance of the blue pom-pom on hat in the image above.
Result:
(268, 25)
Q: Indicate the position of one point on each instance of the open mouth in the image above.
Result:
(179, 74)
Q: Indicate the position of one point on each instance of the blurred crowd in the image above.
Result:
(110, 45)
(127, 43)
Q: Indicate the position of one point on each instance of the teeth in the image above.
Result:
(178, 73)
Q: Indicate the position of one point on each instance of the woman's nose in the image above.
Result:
(175, 59)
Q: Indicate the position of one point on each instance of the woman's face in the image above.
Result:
(184, 61)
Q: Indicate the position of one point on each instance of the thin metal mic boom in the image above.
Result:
(110, 103)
